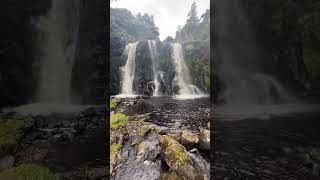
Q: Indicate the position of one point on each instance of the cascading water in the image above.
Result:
(182, 76)
(60, 26)
(128, 71)
(154, 58)
(239, 65)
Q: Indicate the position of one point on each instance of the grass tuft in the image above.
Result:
(113, 104)
(118, 120)
(28, 172)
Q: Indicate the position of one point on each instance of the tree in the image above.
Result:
(178, 33)
(193, 19)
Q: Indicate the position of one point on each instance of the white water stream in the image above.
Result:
(60, 28)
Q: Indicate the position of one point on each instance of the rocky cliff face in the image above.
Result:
(17, 49)
(91, 66)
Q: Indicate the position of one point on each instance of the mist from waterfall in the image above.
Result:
(182, 75)
(154, 59)
(128, 71)
(60, 28)
(238, 59)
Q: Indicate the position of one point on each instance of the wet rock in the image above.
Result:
(89, 112)
(178, 160)
(189, 139)
(139, 162)
(170, 176)
(177, 125)
(175, 134)
(199, 162)
(248, 173)
(287, 150)
(283, 161)
(145, 130)
(6, 162)
(315, 154)
(204, 139)
(316, 169)
(114, 161)
(140, 117)
(148, 150)
(303, 158)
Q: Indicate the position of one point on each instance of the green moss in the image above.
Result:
(11, 131)
(28, 172)
(118, 120)
(175, 150)
(113, 104)
(114, 148)
(144, 130)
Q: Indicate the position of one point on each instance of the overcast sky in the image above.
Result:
(168, 14)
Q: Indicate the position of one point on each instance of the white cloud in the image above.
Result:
(168, 14)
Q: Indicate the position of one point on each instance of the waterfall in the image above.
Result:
(60, 29)
(182, 76)
(154, 59)
(239, 63)
(128, 70)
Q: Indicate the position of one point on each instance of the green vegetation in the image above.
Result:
(118, 120)
(200, 72)
(126, 25)
(113, 104)
(28, 172)
(195, 28)
(11, 133)
(114, 148)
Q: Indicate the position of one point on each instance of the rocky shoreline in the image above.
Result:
(71, 145)
(162, 138)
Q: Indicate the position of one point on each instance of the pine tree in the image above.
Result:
(193, 19)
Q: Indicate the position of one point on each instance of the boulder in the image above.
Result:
(6, 162)
(175, 155)
(170, 176)
(204, 139)
(189, 139)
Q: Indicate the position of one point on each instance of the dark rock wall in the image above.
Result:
(17, 79)
(90, 72)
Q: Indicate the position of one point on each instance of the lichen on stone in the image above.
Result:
(174, 150)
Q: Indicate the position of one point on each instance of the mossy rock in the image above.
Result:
(145, 130)
(11, 132)
(118, 120)
(170, 176)
(114, 158)
(174, 151)
(113, 104)
(28, 172)
(114, 149)
(177, 158)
